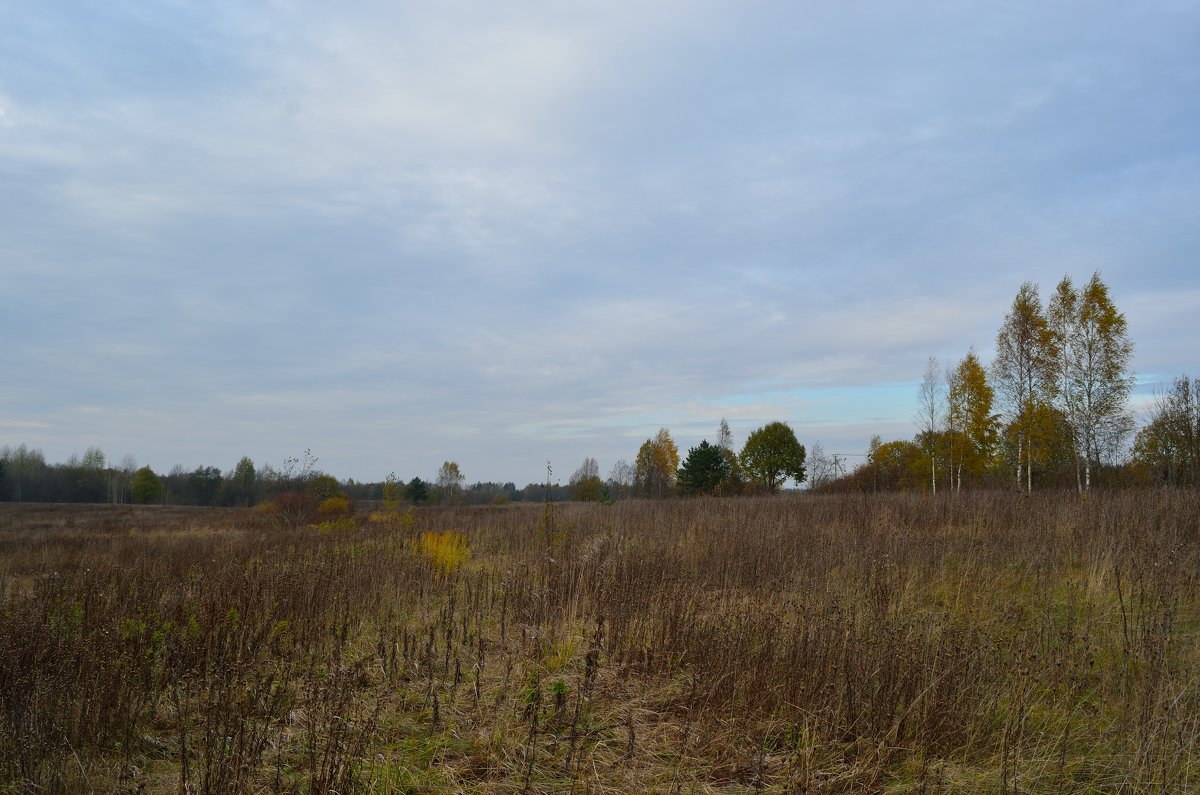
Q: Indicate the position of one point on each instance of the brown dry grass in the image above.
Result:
(830, 644)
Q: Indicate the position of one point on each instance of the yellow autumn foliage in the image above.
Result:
(334, 506)
(444, 552)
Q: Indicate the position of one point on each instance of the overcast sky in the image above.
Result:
(506, 233)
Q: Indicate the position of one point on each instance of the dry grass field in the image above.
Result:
(989, 643)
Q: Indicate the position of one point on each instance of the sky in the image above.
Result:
(503, 234)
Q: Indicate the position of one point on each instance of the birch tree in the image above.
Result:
(585, 484)
(1099, 381)
(971, 426)
(1091, 350)
(450, 482)
(873, 460)
(732, 483)
(930, 412)
(820, 468)
(1062, 317)
(1024, 371)
(620, 479)
(656, 465)
(956, 437)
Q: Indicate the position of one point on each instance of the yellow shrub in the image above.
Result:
(390, 515)
(445, 552)
(338, 524)
(334, 506)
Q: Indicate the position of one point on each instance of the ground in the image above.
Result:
(870, 643)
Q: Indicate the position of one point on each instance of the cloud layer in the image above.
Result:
(500, 236)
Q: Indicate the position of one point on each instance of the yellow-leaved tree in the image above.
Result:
(971, 425)
(656, 465)
(1092, 350)
(1024, 374)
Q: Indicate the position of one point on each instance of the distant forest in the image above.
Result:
(26, 476)
(1051, 411)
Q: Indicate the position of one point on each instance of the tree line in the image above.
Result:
(771, 455)
(26, 476)
(1050, 411)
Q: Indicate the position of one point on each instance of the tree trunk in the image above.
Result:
(1029, 467)
(1020, 460)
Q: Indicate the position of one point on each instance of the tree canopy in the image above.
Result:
(585, 484)
(418, 491)
(147, 486)
(449, 482)
(1167, 449)
(771, 455)
(704, 469)
(1024, 372)
(656, 466)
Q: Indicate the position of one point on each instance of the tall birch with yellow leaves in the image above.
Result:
(1023, 371)
(1092, 351)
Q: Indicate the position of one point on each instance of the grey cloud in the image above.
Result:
(399, 234)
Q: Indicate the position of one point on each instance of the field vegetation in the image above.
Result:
(843, 643)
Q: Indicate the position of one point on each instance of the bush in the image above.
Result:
(147, 486)
(292, 509)
(333, 525)
(445, 552)
(334, 506)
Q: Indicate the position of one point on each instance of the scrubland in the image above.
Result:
(885, 643)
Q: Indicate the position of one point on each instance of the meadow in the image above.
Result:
(984, 642)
